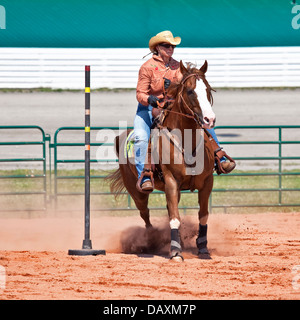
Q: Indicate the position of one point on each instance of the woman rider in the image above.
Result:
(154, 75)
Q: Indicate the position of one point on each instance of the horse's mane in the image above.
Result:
(176, 86)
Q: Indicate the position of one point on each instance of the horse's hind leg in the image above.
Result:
(141, 202)
(140, 199)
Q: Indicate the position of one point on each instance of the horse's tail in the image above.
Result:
(115, 178)
(116, 182)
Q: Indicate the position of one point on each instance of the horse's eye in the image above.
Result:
(189, 92)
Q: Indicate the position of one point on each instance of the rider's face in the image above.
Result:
(165, 50)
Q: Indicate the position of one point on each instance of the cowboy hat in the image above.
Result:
(163, 37)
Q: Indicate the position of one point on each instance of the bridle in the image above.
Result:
(191, 114)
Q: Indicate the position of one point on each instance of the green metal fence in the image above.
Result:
(272, 186)
(277, 187)
(41, 141)
(58, 160)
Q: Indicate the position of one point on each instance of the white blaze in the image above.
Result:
(208, 114)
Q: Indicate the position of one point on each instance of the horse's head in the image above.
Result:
(196, 93)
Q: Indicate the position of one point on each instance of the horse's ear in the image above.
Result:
(204, 67)
(183, 69)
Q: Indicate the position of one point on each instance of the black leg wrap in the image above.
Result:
(201, 240)
(175, 241)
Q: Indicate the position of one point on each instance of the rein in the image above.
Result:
(192, 115)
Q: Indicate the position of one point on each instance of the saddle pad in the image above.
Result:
(129, 146)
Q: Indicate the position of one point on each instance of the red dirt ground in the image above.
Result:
(252, 255)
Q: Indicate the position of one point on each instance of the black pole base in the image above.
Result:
(87, 244)
(86, 252)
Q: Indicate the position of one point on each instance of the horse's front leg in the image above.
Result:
(172, 196)
(203, 199)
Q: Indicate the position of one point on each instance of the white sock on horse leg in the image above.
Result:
(174, 223)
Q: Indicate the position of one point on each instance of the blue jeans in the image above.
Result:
(142, 124)
(213, 134)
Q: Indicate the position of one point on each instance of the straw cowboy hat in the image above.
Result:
(163, 37)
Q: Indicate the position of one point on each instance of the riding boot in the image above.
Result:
(224, 167)
(146, 185)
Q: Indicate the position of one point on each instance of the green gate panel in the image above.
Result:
(131, 23)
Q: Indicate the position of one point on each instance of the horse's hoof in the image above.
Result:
(177, 257)
(204, 254)
(203, 251)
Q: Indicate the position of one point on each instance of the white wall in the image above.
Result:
(118, 68)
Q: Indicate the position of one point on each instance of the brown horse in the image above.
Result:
(182, 114)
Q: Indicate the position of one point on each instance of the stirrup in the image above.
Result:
(146, 173)
(219, 153)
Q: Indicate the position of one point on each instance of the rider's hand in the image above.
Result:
(167, 83)
(152, 100)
